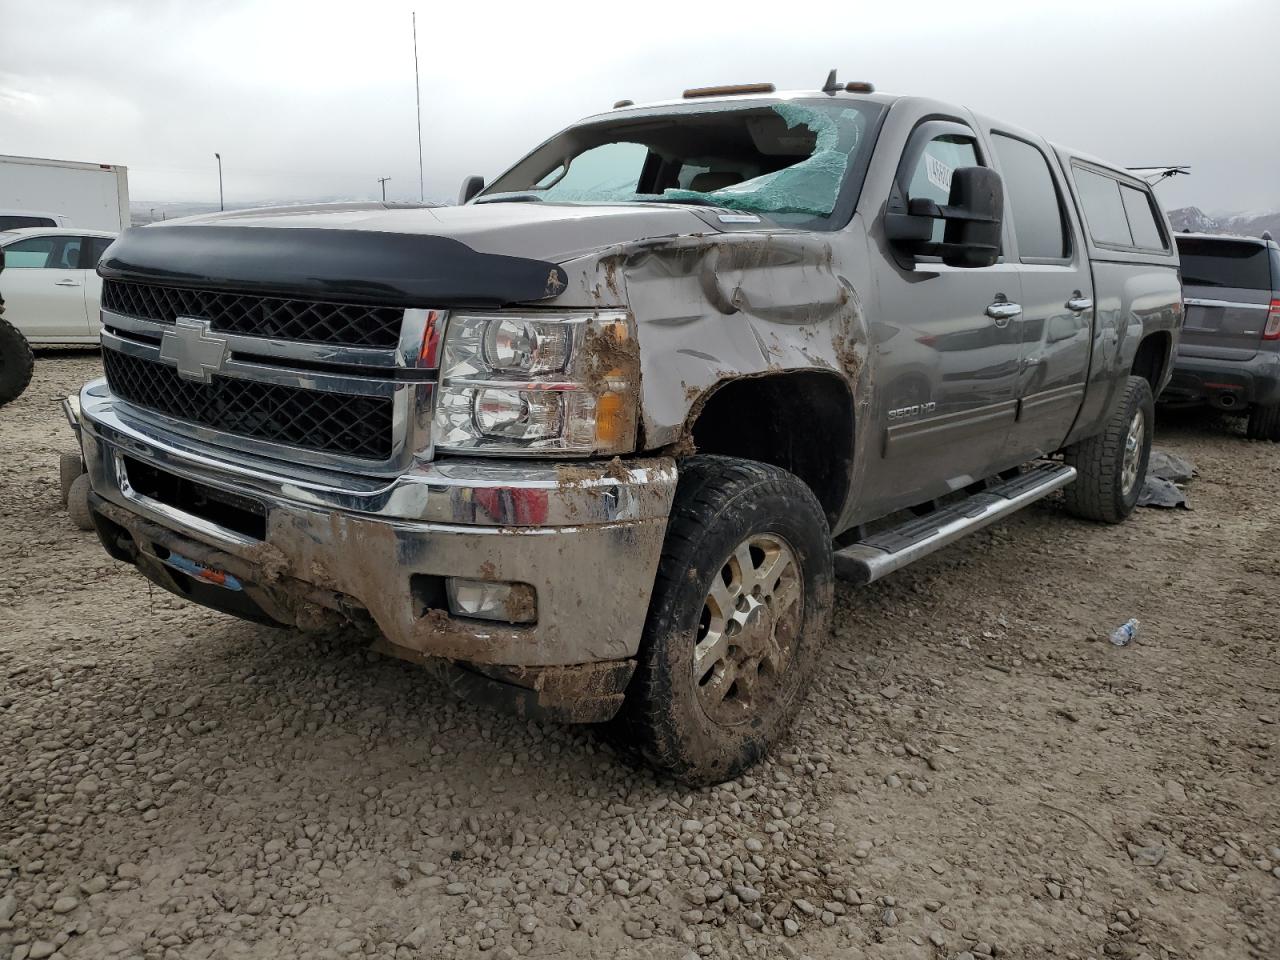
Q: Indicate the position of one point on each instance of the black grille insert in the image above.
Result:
(330, 422)
(241, 514)
(344, 324)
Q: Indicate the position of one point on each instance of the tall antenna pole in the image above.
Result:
(417, 87)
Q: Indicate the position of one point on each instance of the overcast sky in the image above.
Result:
(316, 99)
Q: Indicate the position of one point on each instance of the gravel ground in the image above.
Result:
(977, 772)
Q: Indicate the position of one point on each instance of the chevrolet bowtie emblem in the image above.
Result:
(190, 347)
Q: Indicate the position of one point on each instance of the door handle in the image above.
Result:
(1079, 304)
(66, 283)
(1002, 311)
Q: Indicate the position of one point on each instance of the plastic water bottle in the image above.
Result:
(1125, 634)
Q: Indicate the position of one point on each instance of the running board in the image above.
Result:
(892, 549)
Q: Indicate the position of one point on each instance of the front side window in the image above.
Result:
(54, 253)
(1033, 200)
(34, 252)
(931, 178)
(790, 161)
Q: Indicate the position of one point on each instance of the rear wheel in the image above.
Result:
(739, 613)
(16, 362)
(1112, 465)
(1264, 424)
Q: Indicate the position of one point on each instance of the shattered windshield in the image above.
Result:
(785, 160)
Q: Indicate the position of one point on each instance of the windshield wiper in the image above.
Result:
(511, 198)
(691, 201)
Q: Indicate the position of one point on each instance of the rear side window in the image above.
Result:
(14, 222)
(97, 247)
(1142, 219)
(1224, 263)
(1037, 214)
(1103, 208)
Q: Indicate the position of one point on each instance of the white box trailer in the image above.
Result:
(94, 196)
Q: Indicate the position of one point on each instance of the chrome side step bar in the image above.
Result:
(889, 550)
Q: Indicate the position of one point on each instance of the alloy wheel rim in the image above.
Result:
(748, 630)
(1133, 452)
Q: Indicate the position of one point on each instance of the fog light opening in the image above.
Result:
(492, 600)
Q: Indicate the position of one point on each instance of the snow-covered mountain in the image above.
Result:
(1250, 224)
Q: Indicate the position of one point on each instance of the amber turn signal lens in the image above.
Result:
(610, 419)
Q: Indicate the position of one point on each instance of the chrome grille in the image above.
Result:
(330, 422)
(256, 316)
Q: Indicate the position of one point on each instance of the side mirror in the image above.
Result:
(470, 187)
(973, 216)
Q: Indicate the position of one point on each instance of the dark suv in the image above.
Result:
(1229, 356)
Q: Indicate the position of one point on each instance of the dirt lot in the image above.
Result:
(978, 770)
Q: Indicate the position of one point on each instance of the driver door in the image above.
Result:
(948, 346)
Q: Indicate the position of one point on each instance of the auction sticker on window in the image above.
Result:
(939, 173)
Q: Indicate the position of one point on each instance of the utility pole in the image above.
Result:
(383, 181)
(220, 204)
(417, 87)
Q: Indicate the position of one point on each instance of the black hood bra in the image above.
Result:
(353, 266)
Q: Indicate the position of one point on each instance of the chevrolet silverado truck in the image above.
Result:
(597, 441)
(1229, 354)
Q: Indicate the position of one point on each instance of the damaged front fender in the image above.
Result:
(721, 306)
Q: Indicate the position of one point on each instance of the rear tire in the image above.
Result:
(1112, 465)
(17, 362)
(78, 503)
(739, 613)
(1264, 423)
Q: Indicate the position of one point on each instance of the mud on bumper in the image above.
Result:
(311, 550)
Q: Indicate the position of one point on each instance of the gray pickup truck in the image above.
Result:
(596, 441)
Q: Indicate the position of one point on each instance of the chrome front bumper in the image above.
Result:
(586, 536)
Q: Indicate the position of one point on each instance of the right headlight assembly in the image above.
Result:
(538, 384)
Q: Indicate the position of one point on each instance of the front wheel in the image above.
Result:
(739, 613)
(1112, 465)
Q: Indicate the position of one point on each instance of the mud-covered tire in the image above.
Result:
(70, 466)
(1264, 423)
(724, 505)
(78, 503)
(17, 362)
(1103, 462)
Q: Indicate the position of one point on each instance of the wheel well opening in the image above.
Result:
(801, 422)
(1152, 358)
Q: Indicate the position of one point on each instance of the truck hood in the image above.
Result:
(485, 255)
(543, 231)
